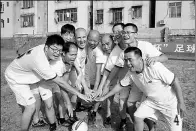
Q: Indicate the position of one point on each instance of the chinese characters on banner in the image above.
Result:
(173, 47)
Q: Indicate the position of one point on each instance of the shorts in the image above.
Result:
(45, 89)
(23, 93)
(168, 110)
(135, 95)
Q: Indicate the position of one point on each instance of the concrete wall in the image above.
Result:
(186, 21)
(106, 27)
(8, 13)
(82, 10)
(39, 10)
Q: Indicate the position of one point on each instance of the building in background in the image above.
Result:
(42, 17)
(175, 14)
(30, 17)
(62, 12)
(7, 18)
(107, 13)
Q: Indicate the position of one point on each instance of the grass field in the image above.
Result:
(10, 112)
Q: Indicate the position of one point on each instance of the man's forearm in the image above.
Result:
(115, 90)
(105, 75)
(162, 58)
(178, 91)
(64, 85)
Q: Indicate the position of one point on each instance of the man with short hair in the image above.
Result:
(32, 67)
(81, 60)
(160, 86)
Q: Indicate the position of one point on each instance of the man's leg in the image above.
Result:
(46, 95)
(123, 96)
(24, 98)
(139, 124)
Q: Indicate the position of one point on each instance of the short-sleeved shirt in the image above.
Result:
(31, 67)
(59, 67)
(96, 56)
(113, 57)
(81, 59)
(148, 50)
(154, 82)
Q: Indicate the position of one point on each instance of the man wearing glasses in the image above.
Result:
(150, 54)
(33, 67)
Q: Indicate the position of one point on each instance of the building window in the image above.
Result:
(175, 9)
(8, 21)
(2, 7)
(27, 20)
(27, 4)
(116, 15)
(2, 23)
(136, 12)
(99, 19)
(7, 4)
(67, 15)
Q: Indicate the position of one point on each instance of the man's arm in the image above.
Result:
(178, 91)
(112, 74)
(64, 85)
(152, 60)
(98, 76)
(115, 90)
(105, 76)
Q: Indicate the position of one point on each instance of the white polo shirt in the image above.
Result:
(96, 56)
(147, 50)
(154, 82)
(81, 59)
(30, 68)
(113, 57)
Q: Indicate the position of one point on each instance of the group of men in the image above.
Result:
(79, 66)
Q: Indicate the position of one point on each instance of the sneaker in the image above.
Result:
(53, 127)
(40, 123)
(107, 122)
(123, 125)
(91, 117)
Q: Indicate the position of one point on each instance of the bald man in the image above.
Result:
(78, 79)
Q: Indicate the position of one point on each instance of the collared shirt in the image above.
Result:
(154, 82)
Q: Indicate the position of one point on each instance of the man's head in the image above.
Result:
(81, 37)
(107, 43)
(68, 32)
(69, 53)
(117, 32)
(93, 38)
(54, 46)
(133, 59)
(129, 34)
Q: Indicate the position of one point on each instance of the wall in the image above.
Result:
(187, 21)
(106, 27)
(8, 29)
(82, 10)
(40, 18)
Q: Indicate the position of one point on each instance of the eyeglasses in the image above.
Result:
(56, 50)
(128, 32)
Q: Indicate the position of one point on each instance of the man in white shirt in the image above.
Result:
(32, 67)
(150, 53)
(83, 84)
(160, 86)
